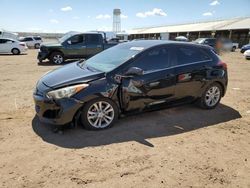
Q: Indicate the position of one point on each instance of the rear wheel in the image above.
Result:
(233, 49)
(37, 46)
(15, 51)
(56, 58)
(100, 113)
(211, 97)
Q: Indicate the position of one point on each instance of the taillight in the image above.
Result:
(224, 65)
(22, 44)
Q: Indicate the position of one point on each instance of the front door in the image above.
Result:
(155, 86)
(75, 47)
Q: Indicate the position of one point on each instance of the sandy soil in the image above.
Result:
(178, 147)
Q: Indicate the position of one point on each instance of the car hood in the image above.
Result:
(69, 75)
(51, 44)
(246, 46)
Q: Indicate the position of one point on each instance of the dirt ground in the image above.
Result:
(178, 147)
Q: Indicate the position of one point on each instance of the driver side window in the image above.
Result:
(154, 59)
(77, 39)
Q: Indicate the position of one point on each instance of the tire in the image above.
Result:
(37, 46)
(233, 49)
(211, 96)
(15, 51)
(56, 58)
(93, 120)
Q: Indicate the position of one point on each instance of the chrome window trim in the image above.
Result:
(176, 66)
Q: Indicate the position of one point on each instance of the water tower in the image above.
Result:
(117, 20)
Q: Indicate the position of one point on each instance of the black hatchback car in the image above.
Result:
(130, 77)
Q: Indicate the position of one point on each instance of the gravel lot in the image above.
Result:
(178, 147)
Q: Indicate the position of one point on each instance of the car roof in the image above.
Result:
(8, 39)
(146, 44)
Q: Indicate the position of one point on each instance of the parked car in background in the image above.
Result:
(207, 41)
(80, 45)
(32, 41)
(12, 46)
(130, 77)
(224, 44)
(247, 54)
(245, 48)
(228, 45)
(181, 38)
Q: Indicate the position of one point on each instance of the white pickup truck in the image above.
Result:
(228, 45)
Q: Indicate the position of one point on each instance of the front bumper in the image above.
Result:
(42, 55)
(58, 112)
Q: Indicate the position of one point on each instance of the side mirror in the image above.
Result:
(134, 71)
(69, 42)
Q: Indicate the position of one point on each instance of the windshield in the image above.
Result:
(113, 57)
(66, 36)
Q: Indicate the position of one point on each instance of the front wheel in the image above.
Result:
(56, 58)
(233, 49)
(211, 97)
(37, 46)
(100, 113)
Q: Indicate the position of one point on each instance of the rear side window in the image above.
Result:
(2, 41)
(189, 54)
(37, 38)
(77, 39)
(93, 39)
(28, 39)
(154, 59)
(210, 41)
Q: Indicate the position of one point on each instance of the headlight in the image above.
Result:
(66, 92)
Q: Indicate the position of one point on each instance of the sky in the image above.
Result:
(87, 15)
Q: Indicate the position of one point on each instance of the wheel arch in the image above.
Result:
(56, 50)
(15, 48)
(222, 87)
(77, 116)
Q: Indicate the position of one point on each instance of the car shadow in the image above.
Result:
(139, 127)
(48, 63)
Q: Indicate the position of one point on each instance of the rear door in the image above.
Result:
(94, 44)
(191, 68)
(155, 86)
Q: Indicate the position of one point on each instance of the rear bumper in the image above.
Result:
(24, 49)
(58, 112)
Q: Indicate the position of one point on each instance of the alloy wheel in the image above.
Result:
(212, 96)
(57, 59)
(100, 114)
